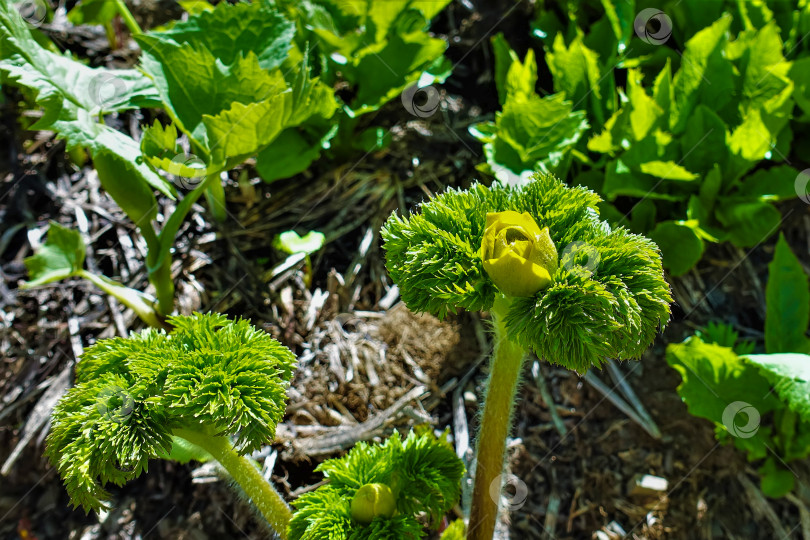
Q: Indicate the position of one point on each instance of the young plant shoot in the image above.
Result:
(556, 280)
(210, 388)
(233, 97)
(379, 491)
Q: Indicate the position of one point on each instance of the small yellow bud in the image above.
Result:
(373, 500)
(518, 256)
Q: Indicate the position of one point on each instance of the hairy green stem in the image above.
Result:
(268, 501)
(129, 20)
(496, 423)
(215, 195)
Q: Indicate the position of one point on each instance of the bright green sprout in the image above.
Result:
(208, 381)
(380, 491)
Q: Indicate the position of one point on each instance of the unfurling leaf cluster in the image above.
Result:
(607, 299)
(423, 473)
(209, 374)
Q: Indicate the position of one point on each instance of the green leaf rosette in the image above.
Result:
(388, 490)
(605, 296)
(211, 374)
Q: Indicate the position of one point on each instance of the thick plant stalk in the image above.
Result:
(266, 499)
(496, 423)
(161, 276)
(164, 286)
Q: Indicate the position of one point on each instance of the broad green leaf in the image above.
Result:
(775, 481)
(220, 78)
(800, 75)
(287, 156)
(644, 111)
(680, 245)
(787, 303)
(642, 216)
(710, 188)
(79, 129)
(500, 152)
(194, 7)
(620, 180)
(193, 84)
(231, 31)
(749, 142)
(537, 126)
(761, 62)
(521, 76)
(657, 147)
(690, 16)
(289, 242)
(382, 75)
(748, 222)
(429, 8)
(705, 76)
(60, 257)
(310, 96)
(719, 386)
(160, 141)
(789, 374)
(504, 57)
(56, 78)
(576, 73)
(92, 12)
(72, 94)
(382, 16)
(378, 48)
(774, 184)
(667, 170)
(703, 143)
(242, 130)
(662, 88)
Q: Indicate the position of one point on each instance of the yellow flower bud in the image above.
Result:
(518, 256)
(373, 500)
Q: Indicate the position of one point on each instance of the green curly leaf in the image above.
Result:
(422, 471)
(209, 374)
